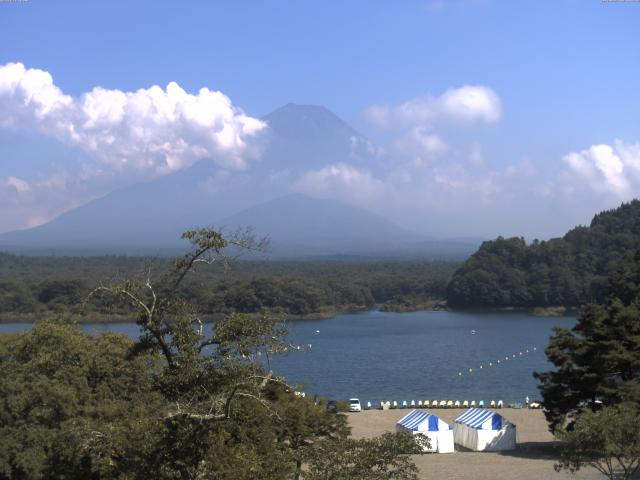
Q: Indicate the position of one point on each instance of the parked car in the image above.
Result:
(354, 405)
(332, 406)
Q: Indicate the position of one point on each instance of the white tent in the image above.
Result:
(484, 431)
(438, 432)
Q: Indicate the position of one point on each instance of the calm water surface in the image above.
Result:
(403, 356)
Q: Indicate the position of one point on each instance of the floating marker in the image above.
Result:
(490, 364)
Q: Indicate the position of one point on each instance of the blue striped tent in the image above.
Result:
(483, 430)
(438, 432)
(480, 418)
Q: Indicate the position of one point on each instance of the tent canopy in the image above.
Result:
(481, 419)
(420, 421)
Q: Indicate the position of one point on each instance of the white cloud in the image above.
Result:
(420, 141)
(17, 184)
(340, 181)
(153, 129)
(604, 169)
(467, 104)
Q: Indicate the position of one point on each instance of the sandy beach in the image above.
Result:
(533, 459)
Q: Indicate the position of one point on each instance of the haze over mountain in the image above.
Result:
(150, 216)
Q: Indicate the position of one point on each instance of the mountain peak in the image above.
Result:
(308, 121)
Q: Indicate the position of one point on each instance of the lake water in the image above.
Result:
(403, 356)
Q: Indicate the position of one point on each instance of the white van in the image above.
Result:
(354, 405)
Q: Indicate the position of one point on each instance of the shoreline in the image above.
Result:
(436, 306)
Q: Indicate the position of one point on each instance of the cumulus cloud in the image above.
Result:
(467, 104)
(340, 181)
(604, 169)
(152, 129)
(420, 143)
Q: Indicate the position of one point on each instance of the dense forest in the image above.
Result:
(567, 271)
(31, 287)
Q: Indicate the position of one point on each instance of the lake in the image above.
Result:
(403, 356)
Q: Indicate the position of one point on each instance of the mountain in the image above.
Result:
(567, 271)
(298, 224)
(150, 216)
(305, 137)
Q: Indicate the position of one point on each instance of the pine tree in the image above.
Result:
(599, 358)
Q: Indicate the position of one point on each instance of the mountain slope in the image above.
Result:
(567, 271)
(300, 223)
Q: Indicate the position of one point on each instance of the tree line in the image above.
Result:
(567, 271)
(31, 287)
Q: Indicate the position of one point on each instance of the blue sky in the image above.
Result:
(565, 73)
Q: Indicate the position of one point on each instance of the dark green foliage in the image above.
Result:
(36, 286)
(599, 359)
(72, 404)
(608, 441)
(381, 458)
(567, 271)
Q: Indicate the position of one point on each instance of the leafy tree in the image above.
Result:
(228, 415)
(608, 441)
(599, 358)
(303, 424)
(185, 401)
(382, 458)
(71, 404)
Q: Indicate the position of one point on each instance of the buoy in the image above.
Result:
(459, 373)
(317, 331)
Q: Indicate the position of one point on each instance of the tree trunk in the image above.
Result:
(296, 476)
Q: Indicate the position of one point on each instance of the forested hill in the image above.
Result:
(567, 271)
